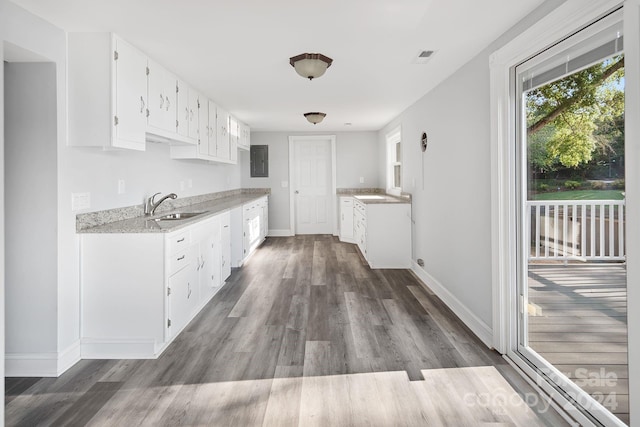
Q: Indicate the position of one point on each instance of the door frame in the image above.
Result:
(292, 182)
(564, 20)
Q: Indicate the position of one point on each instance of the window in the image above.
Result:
(394, 161)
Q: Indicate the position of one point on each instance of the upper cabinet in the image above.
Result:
(119, 98)
(162, 100)
(107, 92)
(244, 136)
(223, 142)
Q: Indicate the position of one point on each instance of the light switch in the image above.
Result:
(80, 201)
(121, 186)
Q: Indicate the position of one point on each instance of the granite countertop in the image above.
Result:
(380, 199)
(146, 224)
(373, 196)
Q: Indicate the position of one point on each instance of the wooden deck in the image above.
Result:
(578, 322)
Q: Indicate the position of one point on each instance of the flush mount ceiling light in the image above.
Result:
(310, 65)
(315, 117)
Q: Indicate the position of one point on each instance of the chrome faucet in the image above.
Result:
(150, 205)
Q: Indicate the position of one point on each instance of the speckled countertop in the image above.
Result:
(380, 199)
(372, 196)
(146, 224)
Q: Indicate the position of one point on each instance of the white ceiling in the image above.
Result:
(237, 51)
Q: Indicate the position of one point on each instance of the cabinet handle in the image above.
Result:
(187, 116)
(180, 240)
(168, 103)
(142, 105)
(181, 258)
(191, 115)
(189, 289)
(226, 226)
(161, 101)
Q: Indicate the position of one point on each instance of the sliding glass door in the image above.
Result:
(572, 322)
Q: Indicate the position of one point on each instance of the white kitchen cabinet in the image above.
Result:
(186, 114)
(194, 100)
(225, 246)
(223, 136)
(204, 123)
(107, 92)
(162, 100)
(244, 136)
(211, 129)
(346, 220)
(139, 290)
(208, 258)
(182, 298)
(383, 233)
(254, 224)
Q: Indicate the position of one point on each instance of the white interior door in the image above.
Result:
(312, 186)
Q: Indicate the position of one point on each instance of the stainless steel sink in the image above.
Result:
(178, 216)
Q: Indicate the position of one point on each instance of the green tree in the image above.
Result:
(571, 119)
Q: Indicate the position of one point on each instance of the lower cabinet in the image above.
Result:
(383, 233)
(346, 220)
(255, 225)
(182, 293)
(140, 290)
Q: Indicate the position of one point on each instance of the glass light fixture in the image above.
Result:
(310, 65)
(315, 117)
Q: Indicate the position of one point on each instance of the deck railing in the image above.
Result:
(576, 230)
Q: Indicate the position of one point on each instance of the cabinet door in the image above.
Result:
(212, 130)
(346, 218)
(203, 126)
(182, 108)
(193, 114)
(224, 151)
(130, 96)
(210, 264)
(162, 98)
(243, 136)
(234, 137)
(225, 246)
(264, 218)
(182, 299)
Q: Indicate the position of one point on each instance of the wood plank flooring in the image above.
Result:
(304, 334)
(581, 327)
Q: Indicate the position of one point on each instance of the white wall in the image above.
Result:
(356, 156)
(31, 206)
(452, 207)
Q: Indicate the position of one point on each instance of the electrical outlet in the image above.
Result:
(80, 201)
(121, 186)
(362, 180)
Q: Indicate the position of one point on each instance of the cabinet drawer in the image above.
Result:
(178, 242)
(177, 261)
(346, 202)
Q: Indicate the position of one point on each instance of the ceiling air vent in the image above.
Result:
(423, 56)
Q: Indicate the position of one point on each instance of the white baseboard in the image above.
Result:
(280, 233)
(48, 364)
(69, 357)
(473, 322)
(120, 349)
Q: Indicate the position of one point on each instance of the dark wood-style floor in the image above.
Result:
(304, 334)
(579, 324)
